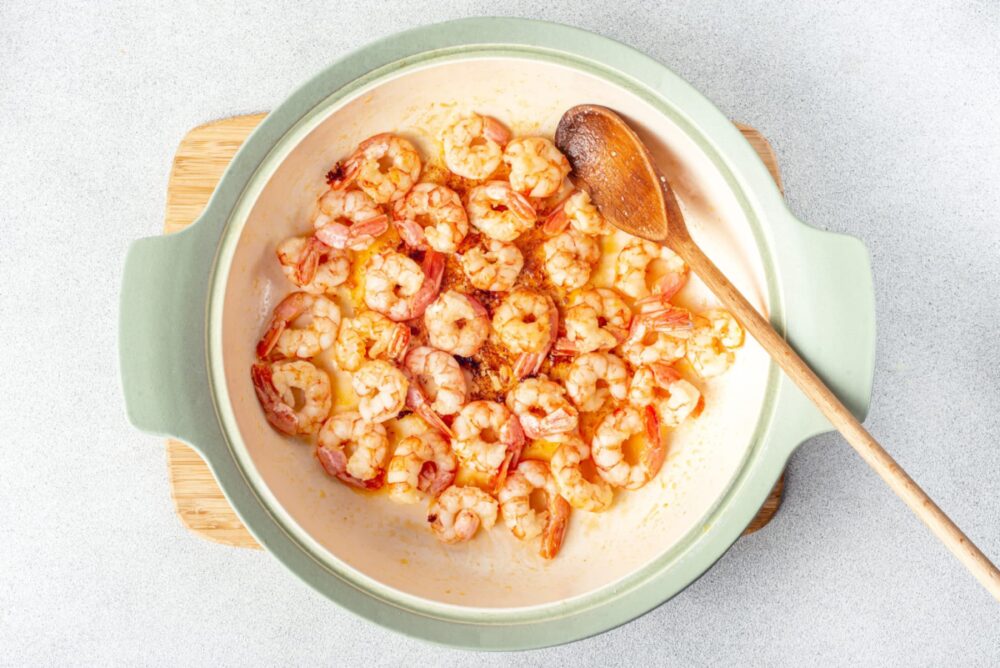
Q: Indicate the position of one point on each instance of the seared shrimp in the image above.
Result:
(305, 342)
(349, 219)
(523, 520)
(581, 493)
(499, 212)
(437, 385)
(659, 338)
(312, 265)
(661, 386)
(381, 389)
(594, 378)
(488, 438)
(537, 167)
(398, 287)
(385, 167)
(542, 408)
(367, 443)
(526, 323)
(493, 265)
(579, 212)
(710, 349)
(456, 515)
(632, 268)
(368, 336)
(569, 257)
(473, 146)
(608, 447)
(278, 384)
(421, 465)
(457, 323)
(431, 216)
(597, 319)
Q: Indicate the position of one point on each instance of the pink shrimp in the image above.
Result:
(399, 288)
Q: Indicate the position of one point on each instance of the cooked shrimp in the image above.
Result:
(312, 265)
(398, 287)
(581, 493)
(537, 167)
(597, 319)
(431, 216)
(305, 342)
(488, 438)
(437, 385)
(579, 212)
(367, 443)
(526, 323)
(710, 348)
(594, 378)
(608, 447)
(659, 338)
(473, 146)
(632, 270)
(421, 465)
(523, 520)
(542, 408)
(381, 389)
(277, 385)
(349, 219)
(385, 167)
(457, 323)
(368, 336)
(456, 515)
(499, 212)
(569, 257)
(661, 386)
(493, 265)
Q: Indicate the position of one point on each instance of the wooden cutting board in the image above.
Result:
(201, 158)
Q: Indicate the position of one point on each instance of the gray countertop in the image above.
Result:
(886, 127)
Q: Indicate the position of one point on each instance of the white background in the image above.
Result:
(886, 127)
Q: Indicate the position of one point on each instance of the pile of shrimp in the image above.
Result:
(459, 294)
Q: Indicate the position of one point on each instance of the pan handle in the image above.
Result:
(830, 318)
(161, 341)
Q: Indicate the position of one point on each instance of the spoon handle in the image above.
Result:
(864, 443)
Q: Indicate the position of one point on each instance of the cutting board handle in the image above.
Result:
(162, 335)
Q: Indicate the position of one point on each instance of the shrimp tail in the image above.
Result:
(334, 235)
(555, 528)
(564, 348)
(433, 480)
(417, 402)
(664, 374)
(312, 252)
(334, 462)
(494, 130)
(556, 221)
(528, 364)
(281, 416)
(361, 235)
(513, 435)
(521, 206)
(668, 286)
(399, 342)
(288, 309)
(343, 173)
(655, 453)
(412, 233)
(559, 421)
(433, 268)
(667, 319)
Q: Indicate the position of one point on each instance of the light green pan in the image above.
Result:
(193, 304)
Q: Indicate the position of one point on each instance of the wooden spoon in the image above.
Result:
(612, 162)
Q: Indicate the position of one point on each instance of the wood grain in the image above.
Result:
(202, 157)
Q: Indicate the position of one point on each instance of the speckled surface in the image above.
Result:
(885, 126)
